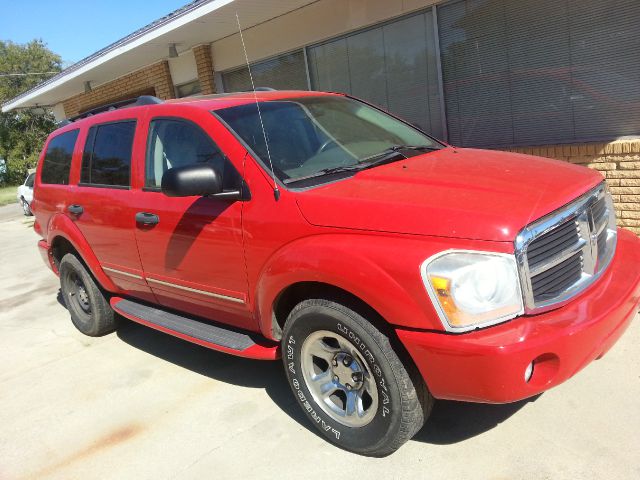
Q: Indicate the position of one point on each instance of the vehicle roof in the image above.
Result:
(204, 102)
(225, 100)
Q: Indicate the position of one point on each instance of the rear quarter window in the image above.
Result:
(57, 159)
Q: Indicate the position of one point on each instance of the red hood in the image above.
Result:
(463, 193)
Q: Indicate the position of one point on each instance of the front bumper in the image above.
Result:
(489, 365)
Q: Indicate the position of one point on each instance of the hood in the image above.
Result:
(461, 193)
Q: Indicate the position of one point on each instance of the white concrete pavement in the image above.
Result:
(141, 404)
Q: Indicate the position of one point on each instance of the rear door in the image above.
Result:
(193, 255)
(101, 205)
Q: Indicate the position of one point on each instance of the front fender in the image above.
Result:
(62, 226)
(382, 271)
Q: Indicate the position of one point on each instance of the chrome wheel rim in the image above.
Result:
(339, 378)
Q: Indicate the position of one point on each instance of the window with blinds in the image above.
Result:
(393, 66)
(285, 72)
(518, 73)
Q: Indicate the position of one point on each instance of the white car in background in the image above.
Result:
(25, 194)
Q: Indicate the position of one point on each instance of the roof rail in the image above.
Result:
(265, 89)
(131, 102)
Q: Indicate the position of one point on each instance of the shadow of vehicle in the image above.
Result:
(450, 422)
(216, 365)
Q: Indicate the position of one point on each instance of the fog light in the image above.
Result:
(528, 372)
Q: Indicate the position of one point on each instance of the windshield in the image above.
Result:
(315, 137)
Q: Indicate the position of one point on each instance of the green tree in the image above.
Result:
(23, 132)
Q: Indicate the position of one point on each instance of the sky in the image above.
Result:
(75, 29)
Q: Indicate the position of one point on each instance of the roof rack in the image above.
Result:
(264, 89)
(131, 102)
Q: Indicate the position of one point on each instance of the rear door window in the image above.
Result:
(106, 160)
(57, 159)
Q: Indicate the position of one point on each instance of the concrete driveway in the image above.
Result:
(141, 404)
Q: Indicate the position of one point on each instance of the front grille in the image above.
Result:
(555, 241)
(563, 253)
(552, 282)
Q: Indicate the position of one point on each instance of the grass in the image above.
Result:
(8, 195)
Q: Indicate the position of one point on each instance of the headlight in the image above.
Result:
(473, 289)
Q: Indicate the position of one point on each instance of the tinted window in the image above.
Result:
(107, 154)
(285, 72)
(29, 181)
(177, 143)
(532, 73)
(57, 159)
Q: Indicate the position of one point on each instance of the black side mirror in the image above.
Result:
(191, 180)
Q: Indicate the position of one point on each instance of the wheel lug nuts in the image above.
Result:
(349, 387)
(356, 377)
(335, 363)
(347, 360)
(335, 378)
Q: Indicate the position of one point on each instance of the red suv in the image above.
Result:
(385, 267)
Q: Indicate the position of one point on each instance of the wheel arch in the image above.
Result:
(297, 292)
(64, 237)
(317, 267)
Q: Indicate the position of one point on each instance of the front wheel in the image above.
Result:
(349, 381)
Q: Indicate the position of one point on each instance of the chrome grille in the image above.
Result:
(550, 283)
(562, 253)
(545, 247)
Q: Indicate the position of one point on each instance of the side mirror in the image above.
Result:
(191, 180)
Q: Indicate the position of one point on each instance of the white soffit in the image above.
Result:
(207, 22)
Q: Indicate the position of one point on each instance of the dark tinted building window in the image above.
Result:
(177, 143)
(57, 159)
(107, 154)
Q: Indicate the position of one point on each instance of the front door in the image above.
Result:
(191, 247)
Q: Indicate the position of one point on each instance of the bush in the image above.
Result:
(18, 169)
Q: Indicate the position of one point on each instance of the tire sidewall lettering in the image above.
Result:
(332, 429)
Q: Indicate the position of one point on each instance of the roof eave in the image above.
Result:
(145, 35)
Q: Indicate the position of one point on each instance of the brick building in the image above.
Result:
(557, 79)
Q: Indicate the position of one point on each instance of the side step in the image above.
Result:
(201, 332)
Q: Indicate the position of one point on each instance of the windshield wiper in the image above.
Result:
(389, 155)
(392, 154)
(325, 171)
(398, 149)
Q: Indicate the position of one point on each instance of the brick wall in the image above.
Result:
(618, 161)
(154, 80)
(204, 65)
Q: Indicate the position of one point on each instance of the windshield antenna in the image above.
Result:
(276, 190)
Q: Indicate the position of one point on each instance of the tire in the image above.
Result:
(89, 308)
(325, 344)
(26, 208)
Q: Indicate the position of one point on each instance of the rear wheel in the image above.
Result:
(89, 307)
(349, 381)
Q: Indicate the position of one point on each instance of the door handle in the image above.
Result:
(75, 209)
(146, 218)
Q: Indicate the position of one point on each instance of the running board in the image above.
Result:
(203, 333)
